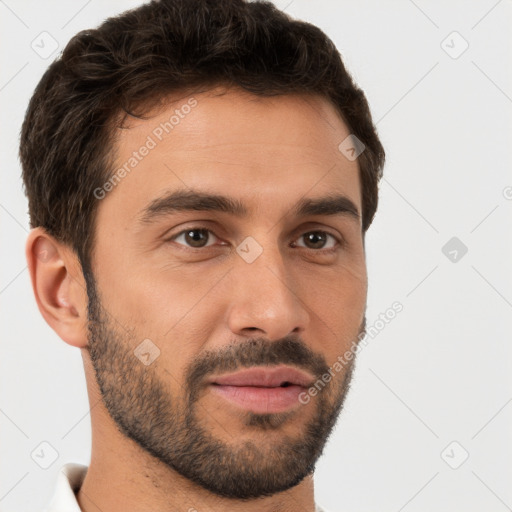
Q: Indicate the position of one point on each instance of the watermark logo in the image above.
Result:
(249, 249)
(455, 455)
(146, 352)
(351, 147)
(44, 455)
(454, 249)
(454, 45)
(44, 45)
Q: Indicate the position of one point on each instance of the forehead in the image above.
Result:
(265, 149)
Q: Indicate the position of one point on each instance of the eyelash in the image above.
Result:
(340, 241)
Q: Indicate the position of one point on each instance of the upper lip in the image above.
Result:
(265, 376)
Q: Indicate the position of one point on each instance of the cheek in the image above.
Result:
(339, 304)
(156, 299)
(341, 288)
(174, 310)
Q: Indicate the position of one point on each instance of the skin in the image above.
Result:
(269, 153)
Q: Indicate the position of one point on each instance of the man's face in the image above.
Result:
(227, 305)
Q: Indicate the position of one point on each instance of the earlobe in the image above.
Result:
(58, 286)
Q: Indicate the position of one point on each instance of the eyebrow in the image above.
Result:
(193, 200)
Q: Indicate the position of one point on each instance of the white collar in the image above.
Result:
(69, 481)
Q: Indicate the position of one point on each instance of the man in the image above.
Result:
(201, 175)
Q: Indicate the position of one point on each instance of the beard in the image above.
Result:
(167, 426)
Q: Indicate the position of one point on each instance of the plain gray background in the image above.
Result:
(434, 385)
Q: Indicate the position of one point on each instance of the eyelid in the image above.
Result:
(338, 238)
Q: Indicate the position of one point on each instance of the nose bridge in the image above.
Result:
(264, 296)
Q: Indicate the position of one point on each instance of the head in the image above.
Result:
(193, 215)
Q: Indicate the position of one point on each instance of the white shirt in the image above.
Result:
(69, 481)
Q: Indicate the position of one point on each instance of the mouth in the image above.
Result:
(263, 390)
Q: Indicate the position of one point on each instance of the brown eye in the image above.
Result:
(317, 240)
(195, 238)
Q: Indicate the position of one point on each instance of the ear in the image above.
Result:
(58, 285)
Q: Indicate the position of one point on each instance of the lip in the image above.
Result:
(265, 376)
(260, 390)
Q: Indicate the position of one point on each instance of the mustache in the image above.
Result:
(254, 352)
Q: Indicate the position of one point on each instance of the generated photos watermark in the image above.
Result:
(152, 140)
(362, 340)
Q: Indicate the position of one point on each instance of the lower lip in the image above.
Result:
(261, 400)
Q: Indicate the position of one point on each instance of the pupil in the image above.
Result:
(197, 241)
(315, 238)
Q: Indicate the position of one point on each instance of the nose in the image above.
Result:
(266, 300)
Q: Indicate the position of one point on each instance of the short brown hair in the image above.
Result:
(147, 53)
